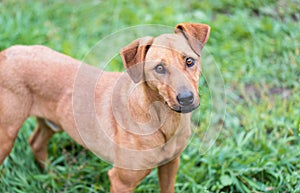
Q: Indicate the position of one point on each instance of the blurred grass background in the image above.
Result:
(256, 45)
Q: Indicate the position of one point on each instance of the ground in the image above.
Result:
(256, 47)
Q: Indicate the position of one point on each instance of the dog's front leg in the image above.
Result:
(125, 181)
(167, 175)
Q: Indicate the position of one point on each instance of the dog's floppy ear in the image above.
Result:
(133, 57)
(196, 34)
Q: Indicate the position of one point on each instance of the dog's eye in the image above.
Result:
(160, 69)
(190, 62)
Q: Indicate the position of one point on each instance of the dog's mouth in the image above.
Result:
(185, 109)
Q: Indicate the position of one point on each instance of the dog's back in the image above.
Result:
(22, 66)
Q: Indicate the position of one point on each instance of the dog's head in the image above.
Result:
(170, 64)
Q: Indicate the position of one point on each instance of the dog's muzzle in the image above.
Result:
(186, 102)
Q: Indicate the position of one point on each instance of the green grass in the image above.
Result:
(256, 45)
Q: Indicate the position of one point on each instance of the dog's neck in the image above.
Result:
(151, 108)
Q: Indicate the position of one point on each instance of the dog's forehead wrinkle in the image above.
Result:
(174, 43)
(172, 40)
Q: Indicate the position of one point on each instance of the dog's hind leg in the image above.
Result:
(39, 141)
(13, 112)
(6, 142)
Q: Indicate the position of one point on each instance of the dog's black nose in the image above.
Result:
(185, 98)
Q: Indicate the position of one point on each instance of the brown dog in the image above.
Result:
(160, 89)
